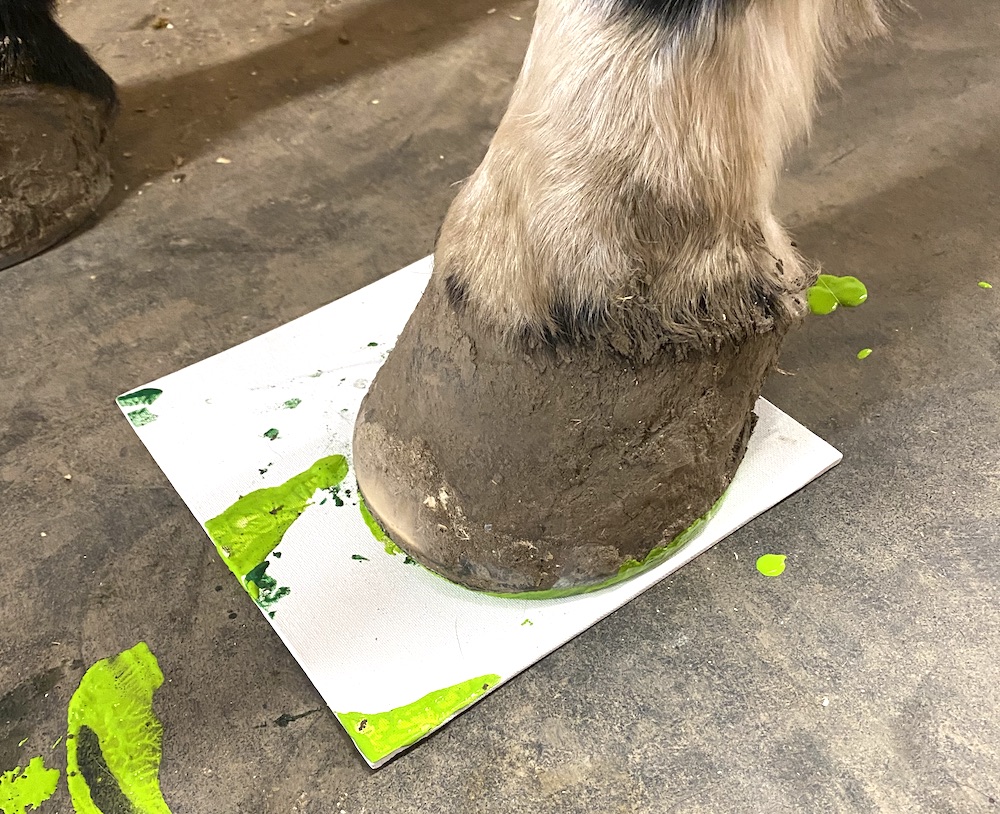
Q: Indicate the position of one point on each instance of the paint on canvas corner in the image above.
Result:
(21, 789)
(380, 734)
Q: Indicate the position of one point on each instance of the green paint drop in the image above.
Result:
(271, 434)
(22, 742)
(291, 404)
(377, 532)
(27, 787)
(114, 704)
(527, 622)
(830, 291)
(249, 530)
(359, 558)
(864, 353)
(380, 734)
(984, 284)
(141, 417)
(771, 565)
(263, 588)
(373, 344)
(145, 396)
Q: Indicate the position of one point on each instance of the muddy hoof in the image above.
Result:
(551, 470)
(54, 167)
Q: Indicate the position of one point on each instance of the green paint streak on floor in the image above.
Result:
(115, 702)
(377, 532)
(291, 404)
(984, 284)
(145, 396)
(380, 734)
(27, 787)
(830, 291)
(141, 417)
(864, 353)
(249, 530)
(771, 565)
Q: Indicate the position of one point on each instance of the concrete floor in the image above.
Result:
(704, 695)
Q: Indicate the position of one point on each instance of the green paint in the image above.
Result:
(114, 707)
(830, 291)
(263, 588)
(22, 742)
(984, 284)
(141, 417)
(628, 569)
(377, 532)
(373, 344)
(21, 789)
(380, 734)
(527, 622)
(145, 396)
(291, 404)
(271, 434)
(249, 530)
(771, 565)
(864, 353)
(359, 558)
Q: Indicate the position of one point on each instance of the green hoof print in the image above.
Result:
(27, 788)
(380, 735)
(113, 737)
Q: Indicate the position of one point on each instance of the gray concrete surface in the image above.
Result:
(704, 695)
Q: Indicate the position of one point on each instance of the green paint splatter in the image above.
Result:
(291, 404)
(21, 789)
(271, 434)
(984, 284)
(380, 734)
(527, 622)
(377, 532)
(359, 558)
(263, 588)
(141, 417)
(22, 742)
(249, 530)
(830, 291)
(114, 707)
(864, 353)
(373, 344)
(771, 565)
(145, 396)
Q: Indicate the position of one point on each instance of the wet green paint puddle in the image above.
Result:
(771, 565)
(249, 530)
(113, 740)
(829, 292)
(380, 734)
(21, 789)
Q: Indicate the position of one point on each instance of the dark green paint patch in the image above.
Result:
(359, 558)
(263, 588)
(145, 396)
(21, 789)
(830, 291)
(291, 404)
(373, 344)
(141, 417)
(271, 434)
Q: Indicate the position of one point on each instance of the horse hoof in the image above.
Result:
(54, 169)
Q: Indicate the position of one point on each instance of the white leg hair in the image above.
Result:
(636, 168)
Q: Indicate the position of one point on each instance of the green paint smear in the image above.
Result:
(114, 702)
(145, 396)
(249, 530)
(771, 565)
(527, 622)
(271, 434)
(628, 569)
(377, 531)
(830, 291)
(380, 734)
(28, 787)
(141, 417)
(291, 404)
(864, 353)
(263, 588)
(984, 284)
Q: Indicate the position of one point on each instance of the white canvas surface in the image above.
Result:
(376, 634)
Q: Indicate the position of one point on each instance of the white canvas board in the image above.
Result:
(374, 633)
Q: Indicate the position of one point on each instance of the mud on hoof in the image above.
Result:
(553, 468)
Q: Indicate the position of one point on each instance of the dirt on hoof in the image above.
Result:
(54, 168)
(547, 468)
